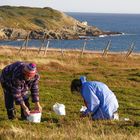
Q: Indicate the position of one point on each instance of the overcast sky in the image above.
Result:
(98, 6)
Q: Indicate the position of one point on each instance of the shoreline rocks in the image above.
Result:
(14, 34)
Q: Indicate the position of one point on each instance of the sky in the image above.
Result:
(94, 6)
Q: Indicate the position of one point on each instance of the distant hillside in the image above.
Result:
(16, 22)
(33, 18)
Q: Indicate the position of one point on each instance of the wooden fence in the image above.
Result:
(44, 47)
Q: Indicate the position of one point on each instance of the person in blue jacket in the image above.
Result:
(100, 101)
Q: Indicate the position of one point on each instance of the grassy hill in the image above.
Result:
(33, 18)
(122, 76)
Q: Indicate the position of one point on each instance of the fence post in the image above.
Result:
(106, 48)
(21, 47)
(130, 50)
(42, 44)
(46, 48)
(83, 49)
(25, 43)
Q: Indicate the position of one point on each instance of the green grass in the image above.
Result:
(56, 75)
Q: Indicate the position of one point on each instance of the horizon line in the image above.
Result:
(73, 11)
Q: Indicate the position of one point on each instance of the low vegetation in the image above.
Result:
(57, 71)
(33, 18)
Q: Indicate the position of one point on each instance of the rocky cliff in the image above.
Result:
(18, 22)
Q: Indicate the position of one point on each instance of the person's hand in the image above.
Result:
(38, 107)
(25, 109)
(26, 112)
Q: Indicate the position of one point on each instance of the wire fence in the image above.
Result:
(104, 46)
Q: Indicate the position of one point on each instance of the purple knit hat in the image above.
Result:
(30, 69)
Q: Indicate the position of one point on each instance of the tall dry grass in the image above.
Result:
(71, 58)
(83, 130)
(53, 56)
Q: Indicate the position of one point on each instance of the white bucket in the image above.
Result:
(59, 109)
(34, 116)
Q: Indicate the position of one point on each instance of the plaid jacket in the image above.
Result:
(12, 80)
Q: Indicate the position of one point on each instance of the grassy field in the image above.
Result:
(121, 75)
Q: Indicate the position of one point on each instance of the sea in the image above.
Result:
(128, 24)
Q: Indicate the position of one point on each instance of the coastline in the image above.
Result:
(70, 50)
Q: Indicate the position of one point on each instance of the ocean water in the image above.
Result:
(129, 24)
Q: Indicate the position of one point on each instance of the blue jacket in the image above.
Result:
(100, 100)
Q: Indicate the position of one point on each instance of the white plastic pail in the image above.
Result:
(59, 109)
(34, 116)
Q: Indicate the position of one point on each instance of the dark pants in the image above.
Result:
(9, 104)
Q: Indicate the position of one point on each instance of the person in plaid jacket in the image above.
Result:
(19, 80)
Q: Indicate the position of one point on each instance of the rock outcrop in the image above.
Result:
(41, 23)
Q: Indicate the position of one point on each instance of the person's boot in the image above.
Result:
(11, 113)
(23, 117)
